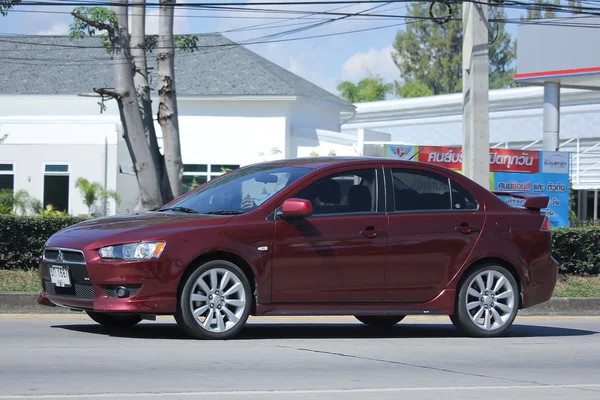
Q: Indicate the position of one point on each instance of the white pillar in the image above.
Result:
(595, 205)
(476, 137)
(551, 116)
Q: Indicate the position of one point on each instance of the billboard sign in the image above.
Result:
(544, 172)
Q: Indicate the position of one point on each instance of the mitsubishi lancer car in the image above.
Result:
(372, 238)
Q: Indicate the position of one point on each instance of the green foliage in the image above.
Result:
(539, 9)
(6, 5)
(20, 202)
(413, 89)
(576, 5)
(92, 192)
(187, 43)
(577, 250)
(6, 202)
(431, 54)
(87, 22)
(22, 238)
(371, 88)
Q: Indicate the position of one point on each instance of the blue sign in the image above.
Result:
(551, 180)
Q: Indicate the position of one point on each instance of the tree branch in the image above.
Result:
(96, 24)
(108, 93)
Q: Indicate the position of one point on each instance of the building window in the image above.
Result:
(7, 177)
(56, 186)
(197, 174)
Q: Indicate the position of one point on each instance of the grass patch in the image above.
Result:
(577, 286)
(567, 286)
(20, 281)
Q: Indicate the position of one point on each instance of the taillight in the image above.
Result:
(546, 224)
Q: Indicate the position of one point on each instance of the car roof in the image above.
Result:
(320, 162)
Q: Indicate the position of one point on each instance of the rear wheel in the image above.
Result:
(115, 320)
(380, 320)
(215, 302)
(487, 302)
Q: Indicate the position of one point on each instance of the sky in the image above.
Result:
(325, 61)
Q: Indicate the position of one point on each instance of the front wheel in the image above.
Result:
(115, 320)
(487, 302)
(380, 320)
(215, 302)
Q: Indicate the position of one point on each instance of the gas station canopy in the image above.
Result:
(562, 50)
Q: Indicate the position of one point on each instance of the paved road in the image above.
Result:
(70, 357)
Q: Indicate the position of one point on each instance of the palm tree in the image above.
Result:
(91, 192)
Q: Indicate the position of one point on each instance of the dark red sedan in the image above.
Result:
(375, 238)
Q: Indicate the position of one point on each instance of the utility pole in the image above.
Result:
(476, 136)
(551, 116)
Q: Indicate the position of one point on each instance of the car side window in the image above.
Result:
(416, 190)
(343, 193)
(462, 199)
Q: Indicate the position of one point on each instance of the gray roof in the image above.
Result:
(58, 65)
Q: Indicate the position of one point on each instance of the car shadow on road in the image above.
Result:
(274, 331)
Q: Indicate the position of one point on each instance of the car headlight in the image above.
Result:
(133, 251)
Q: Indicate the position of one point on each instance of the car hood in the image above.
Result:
(133, 226)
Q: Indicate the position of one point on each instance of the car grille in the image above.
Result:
(77, 291)
(64, 255)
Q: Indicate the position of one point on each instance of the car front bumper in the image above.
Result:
(152, 287)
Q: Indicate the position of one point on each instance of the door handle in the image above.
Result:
(370, 232)
(466, 228)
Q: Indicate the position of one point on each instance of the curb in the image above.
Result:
(26, 303)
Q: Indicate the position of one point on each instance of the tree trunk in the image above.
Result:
(142, 87)
(167, 109)
(145, 168)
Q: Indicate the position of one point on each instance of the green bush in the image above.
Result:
(22, 238)
(577, 250)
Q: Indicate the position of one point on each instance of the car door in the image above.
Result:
(337, 255)
(434, 225)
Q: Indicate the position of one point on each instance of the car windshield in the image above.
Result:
(239, 191)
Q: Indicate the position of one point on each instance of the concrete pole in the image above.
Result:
(551, 116)
(476, 138)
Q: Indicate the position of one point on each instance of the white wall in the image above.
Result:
(231, 132)
(29, 146)
(315, 114)
(71, 129)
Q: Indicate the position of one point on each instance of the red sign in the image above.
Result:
(506, 160)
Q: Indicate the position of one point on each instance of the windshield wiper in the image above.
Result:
(225, 212)
(180, 209)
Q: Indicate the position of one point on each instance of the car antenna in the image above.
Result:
(411, 157)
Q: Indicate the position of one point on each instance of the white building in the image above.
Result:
(516, 121)
(235, 108)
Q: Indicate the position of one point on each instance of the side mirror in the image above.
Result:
(296, 208)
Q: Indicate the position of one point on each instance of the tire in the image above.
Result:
(497, 306)
(115, 320)
(380, 321)
(222, 306)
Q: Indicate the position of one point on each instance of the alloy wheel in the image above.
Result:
(487, 301)
(215, 301)
(490, 300)
(218, 300)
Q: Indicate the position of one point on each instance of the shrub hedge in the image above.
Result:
(21, 239)
(577, 250)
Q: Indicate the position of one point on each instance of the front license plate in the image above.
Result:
(60, 276)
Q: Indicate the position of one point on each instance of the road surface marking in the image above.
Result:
(298, 391)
